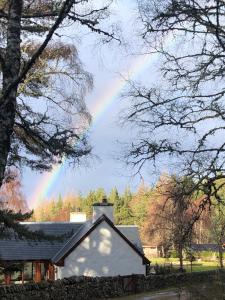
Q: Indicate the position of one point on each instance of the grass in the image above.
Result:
(197, 266)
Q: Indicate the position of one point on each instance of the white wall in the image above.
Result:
(102, 253)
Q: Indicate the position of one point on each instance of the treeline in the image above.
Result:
(164, 214)
(167, 214)
(129, 208)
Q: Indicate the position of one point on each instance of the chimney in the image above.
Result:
(101, 208)
(78, 217)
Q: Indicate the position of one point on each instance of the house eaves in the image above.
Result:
(85, 231)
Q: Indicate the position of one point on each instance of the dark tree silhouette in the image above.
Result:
(42, 112)
(40, 119)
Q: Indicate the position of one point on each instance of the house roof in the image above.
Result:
(205, 247)
(87, 228)
(75, 238)
(17, 249)
(22, 250)
(132, 234)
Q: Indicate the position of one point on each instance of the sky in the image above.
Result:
(108, 65)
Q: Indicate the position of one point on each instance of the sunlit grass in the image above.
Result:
(197, 266)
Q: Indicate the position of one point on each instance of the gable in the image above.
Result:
(105, 241)
(79, 237)
(103, 252)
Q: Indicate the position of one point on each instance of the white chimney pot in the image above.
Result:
(78, 217)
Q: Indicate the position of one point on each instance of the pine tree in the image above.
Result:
(87, 203)
(123, 212)
(139, 204)
(59, 203)
(114, 196)
(31, 136)
(99, 194)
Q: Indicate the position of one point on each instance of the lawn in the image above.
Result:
(197, 266)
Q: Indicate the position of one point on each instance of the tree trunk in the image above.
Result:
(180, 254)
(220, 255)
(11, 69)
(200, 231)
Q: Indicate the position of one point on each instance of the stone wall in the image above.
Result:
(85, 288)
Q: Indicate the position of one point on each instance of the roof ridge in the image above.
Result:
(102, 218)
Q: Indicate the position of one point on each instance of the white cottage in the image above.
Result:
(96, 247)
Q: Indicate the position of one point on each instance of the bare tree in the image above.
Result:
(181, 116)
(171, 214)
(11, 196)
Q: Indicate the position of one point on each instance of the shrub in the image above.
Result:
(207, 255)
(173, 254)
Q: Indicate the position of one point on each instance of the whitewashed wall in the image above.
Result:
(102, 253)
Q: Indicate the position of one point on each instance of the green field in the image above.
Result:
(197, 266)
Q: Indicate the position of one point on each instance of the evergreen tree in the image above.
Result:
(36, 137)
(87, 203)
(59, 203)
(139, 204)
(53, 209)
(41, 135)
(114, 196)
(99, 194)
(123, 212)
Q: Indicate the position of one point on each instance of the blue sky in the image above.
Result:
(105, 63)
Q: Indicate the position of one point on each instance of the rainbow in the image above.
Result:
(105, 100)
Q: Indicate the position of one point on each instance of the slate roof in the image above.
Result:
(132, 234)
(205, 247)
(23, 250)
(17, 249)
(72, 241)
(87, 228)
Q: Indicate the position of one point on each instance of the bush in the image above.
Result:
(172, 254)
(206, 255)
(190, 255)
